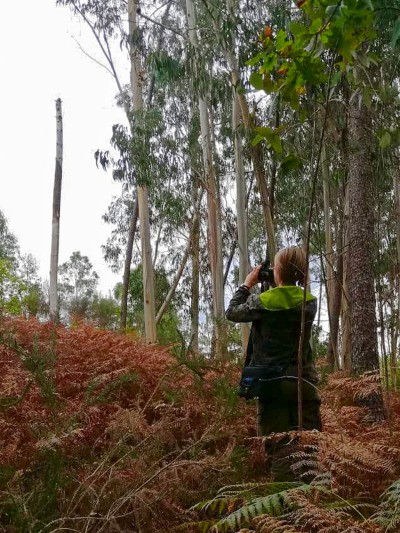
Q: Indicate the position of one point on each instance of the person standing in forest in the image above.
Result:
(274, 343)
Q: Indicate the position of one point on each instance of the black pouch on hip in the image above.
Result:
(253, 380)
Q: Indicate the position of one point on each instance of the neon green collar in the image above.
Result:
(284, 297)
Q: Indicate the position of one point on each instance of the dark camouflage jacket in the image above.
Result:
(276, 324)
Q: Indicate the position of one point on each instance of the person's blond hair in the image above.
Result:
(290, 264)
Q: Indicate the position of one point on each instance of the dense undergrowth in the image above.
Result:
(102, 433)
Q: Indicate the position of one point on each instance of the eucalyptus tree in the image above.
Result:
(9, 247)
(77, 287)
(21, 289)
(213, 194)
(136, 82)
(106, 21)
(33, 298)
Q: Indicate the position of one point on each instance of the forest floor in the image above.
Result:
(101, 433)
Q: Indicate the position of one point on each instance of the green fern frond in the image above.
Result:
(388, 515)
(273, 504)
(218, 503)
(347, 506)
(240, 488)
(230, 495)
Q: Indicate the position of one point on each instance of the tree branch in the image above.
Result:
(91, 57)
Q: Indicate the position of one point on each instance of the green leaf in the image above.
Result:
(385, 140)
(366, 95)
(396, 33)
(290, 162)
(257, 139)
(280, 39)
(311, 45)
(276, 143)
(256, 80)
(254, 60)
(330, 10)
(271, 136)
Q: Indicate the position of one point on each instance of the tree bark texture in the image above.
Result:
(142, 193)
(55, 233)
(364, 349)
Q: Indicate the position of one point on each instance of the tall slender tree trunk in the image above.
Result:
(195, 288)
(337, 295)
(396, 188)
(394, 325)
(343, 249)
(396, 287)
(213, 202)
(330, 284)
(55, 229)
(127, 266)
(142, 192)
(241, 215)
(364, 349)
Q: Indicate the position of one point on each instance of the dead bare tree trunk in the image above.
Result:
(55, 233)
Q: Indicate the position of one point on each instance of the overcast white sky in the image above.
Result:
(39, 62)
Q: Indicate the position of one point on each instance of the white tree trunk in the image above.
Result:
(137, 105)
(241, 214)
(213, 205)
(55, 233)
(195, 248)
